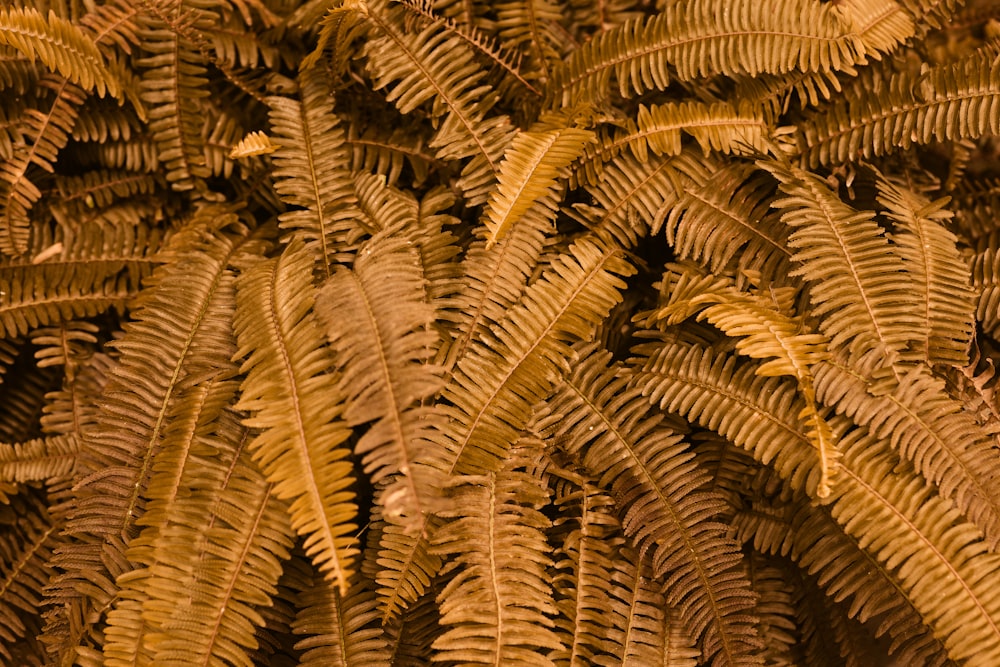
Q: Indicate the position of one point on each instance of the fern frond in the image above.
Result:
(175, 87)
(294, 400)
(38, 460)
(588, 538)
(597, 418)
(936, 272)
(920, 421)
(437, 67)
(311, 171)
(60, 45)
(728, 217)
(48, 133)
(26, 549)
(236, 532)
(255, 143)
(698, 39)
(632, 198)
(949, 102)
(341, 630)
(530, 168)
(918, 531)
(525, 352)
(857, 284)
(846, 574)
(117, 452)
(377, 320)
(496, 609)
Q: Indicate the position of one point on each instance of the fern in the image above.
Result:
(299, 446)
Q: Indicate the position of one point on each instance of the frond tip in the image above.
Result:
(529, 169)
(255, 143)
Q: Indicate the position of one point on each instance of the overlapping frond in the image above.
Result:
(436, 67)
(937, 273)
(525, 353)
(293, 398)
(136, 406)
(341, 630)
(857, 284)
(47, 133)
(377, 319)
(728, 217)
(597, 418)
(497, 606)
(60, 45)
(945, 103)
(174, 86)
(529, 171)
(311, 171)
(696, 39)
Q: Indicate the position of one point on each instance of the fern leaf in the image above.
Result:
(529, 170)
(310, 171)
(38, 460)
(726, 219)
(703, 38)
(48, 133)
(525, 353)
(60, 45)
(237, 532)
(341, 630)
(497, 607)
(377, 320)
(949, 102)
(175, 88)
(937, 273)
(857, 283)
(596, 418)
(295, 402)
(117, 453)
(918, 419)
(26, 550)
(588, 539)
(919, 532)
(437, 67)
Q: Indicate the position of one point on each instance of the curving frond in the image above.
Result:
(311, 171)
(726, 219)
(597, 418)
(341, 630)
(60, 45)
(377, 320)
(525, 353)
(857, 284)
(497, 606)
(706, 37)
(945, 103)
(435, 66)
(937, 273)
(293, 398)
(530, 168)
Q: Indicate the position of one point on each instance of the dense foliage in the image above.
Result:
(595, 332)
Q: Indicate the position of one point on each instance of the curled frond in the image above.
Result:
(255, 143)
